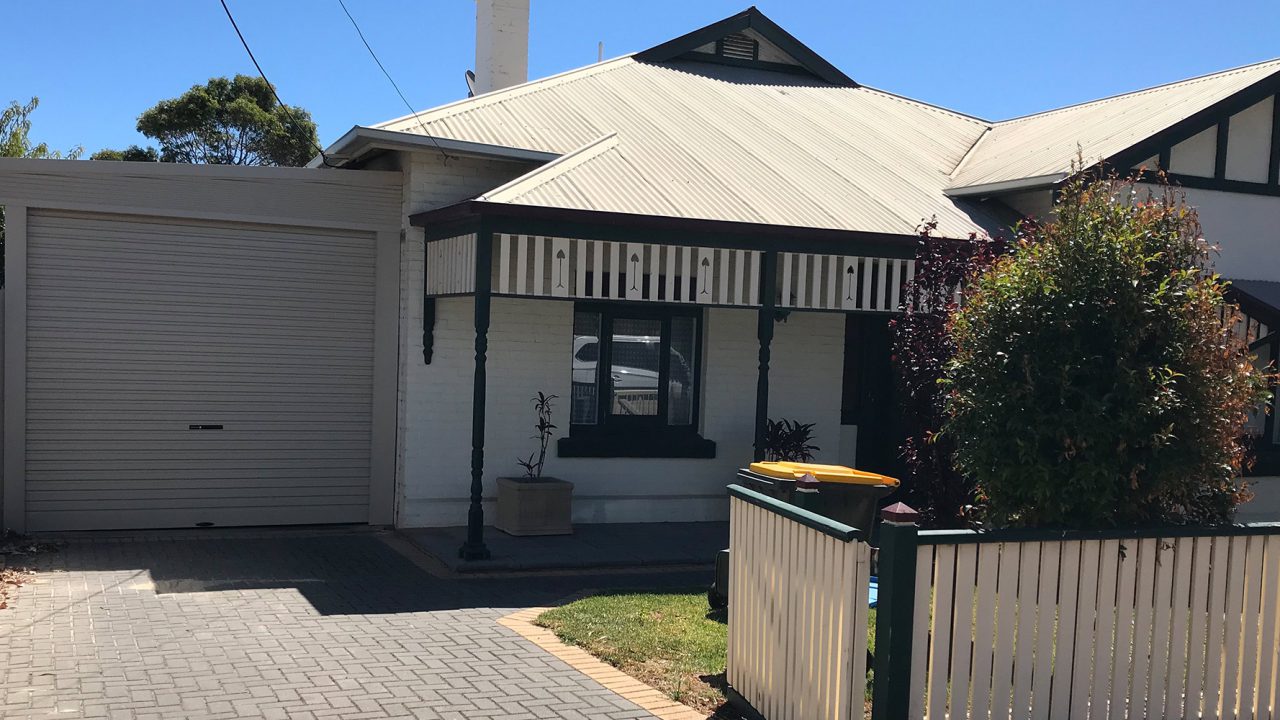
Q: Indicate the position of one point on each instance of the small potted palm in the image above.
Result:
(534, 504)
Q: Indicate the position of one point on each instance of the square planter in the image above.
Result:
(534, 507)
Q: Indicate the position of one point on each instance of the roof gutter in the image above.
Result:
(1006, 186)
(360, 142)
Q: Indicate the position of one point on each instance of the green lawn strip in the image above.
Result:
(667, 640)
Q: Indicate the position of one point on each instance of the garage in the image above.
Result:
(219, 366)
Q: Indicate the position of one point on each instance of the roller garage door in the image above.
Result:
(191, 372)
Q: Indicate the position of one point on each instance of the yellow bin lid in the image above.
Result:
(825, 473)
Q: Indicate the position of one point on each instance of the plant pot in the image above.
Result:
(534, 507)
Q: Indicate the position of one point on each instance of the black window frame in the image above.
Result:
(640, 435)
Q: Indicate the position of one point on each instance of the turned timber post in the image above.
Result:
(474, 547)
(764, 332)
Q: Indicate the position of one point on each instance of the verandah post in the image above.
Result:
(764, 332)
(895, 608)
(474, 547)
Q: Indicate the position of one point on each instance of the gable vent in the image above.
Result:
(738, 47)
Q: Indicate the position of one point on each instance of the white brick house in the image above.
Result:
(727, 197)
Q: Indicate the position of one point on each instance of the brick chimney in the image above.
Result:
(502, 44)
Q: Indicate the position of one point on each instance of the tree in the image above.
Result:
(15, 142)
(231, 122)
(1095, 382)
(133, 153)
(15, 134)
(922, 347)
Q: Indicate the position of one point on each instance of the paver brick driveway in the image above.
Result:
(283, 625)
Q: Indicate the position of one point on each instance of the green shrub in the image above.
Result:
(1095, 382)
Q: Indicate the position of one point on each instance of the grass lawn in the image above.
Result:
(667, 640)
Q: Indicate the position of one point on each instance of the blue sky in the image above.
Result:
(97, 65)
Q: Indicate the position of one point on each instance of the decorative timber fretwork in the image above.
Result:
(569, 268)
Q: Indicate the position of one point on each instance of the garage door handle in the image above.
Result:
(204, 427)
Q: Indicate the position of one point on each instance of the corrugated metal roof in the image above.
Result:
(1046, 143)
(707, 141)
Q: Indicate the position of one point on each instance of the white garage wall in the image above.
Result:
(529, 350)
(294, 197)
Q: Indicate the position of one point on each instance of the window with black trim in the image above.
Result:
(636, 382)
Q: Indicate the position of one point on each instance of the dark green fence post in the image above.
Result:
(895, 607)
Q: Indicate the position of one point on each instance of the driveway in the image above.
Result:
(283, 625)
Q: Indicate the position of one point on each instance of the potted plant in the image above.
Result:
(534, 504)
(789, 440)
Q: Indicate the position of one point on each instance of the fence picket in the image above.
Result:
(1162, 608)
(920, 638)
(1267, 641)
(1046, 617)
(860, 575)
(1104, 636)
(1142, 600)
(945, 561)
(1199, 626)
(1184, 549)
(1086, 635)
(790, 646)
(1126, 574)
(984, 628)
(1024, 645)
(962, 629)
(1216, 637)
(1249, 629)
(1231, 633)
(1064, 643)
(1006, 628)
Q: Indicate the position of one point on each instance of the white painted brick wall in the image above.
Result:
(431, 181)
(529, 350)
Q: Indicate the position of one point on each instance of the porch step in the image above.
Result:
(605, 545)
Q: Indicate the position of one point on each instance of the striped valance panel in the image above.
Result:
(594, 269)
(835, 282)
(540, 266)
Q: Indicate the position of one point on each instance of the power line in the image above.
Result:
(391, 80)
(286, 108)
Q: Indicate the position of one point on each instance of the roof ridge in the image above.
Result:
(929, 106)
(496, 96)
(1140, 91)
(568, 161)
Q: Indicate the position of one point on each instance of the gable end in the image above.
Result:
(748, 39)
(1232, 146)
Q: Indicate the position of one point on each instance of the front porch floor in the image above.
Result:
(596, 545)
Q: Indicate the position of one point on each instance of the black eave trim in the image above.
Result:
(1195, 123)
(465, 217)
(753, 19)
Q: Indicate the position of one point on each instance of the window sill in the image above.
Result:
(636, 445)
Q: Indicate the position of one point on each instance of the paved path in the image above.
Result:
(283, 625)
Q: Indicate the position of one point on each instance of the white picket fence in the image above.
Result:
(1178, 627)
(797, 611)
